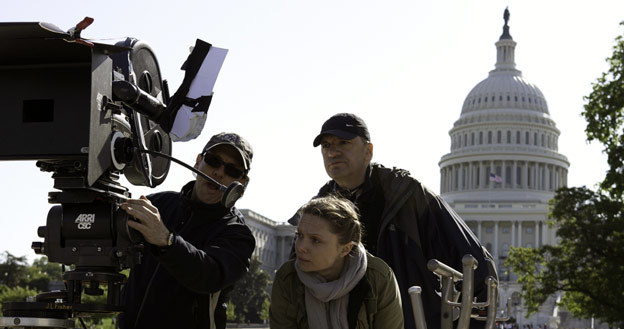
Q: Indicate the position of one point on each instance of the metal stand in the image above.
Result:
(450, 308)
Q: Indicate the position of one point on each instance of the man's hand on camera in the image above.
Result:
(148, 220)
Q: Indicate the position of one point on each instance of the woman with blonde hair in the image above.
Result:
(333, 283)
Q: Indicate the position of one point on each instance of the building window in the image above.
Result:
(543, 140)
(528, 245)
(529, 230)
(535, 139)
(489, 229)
(472, 137)
(505, 249)
(480, 137)
(489, 137)
(518, 175)
(505, 229)
(465, 139)
(518, 137)
(498, 137)
(526, 138)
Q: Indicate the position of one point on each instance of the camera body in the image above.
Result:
(58, 106)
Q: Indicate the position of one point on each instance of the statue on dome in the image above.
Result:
(506, 15)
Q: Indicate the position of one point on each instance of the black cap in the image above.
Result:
(234, 140)
(343, 125)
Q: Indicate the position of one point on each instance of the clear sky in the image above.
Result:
(405, 67)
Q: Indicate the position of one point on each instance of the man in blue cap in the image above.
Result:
(405, 223)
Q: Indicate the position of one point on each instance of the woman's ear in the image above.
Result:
(346, 249)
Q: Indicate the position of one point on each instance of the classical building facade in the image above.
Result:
(504, 167)
(273, 240)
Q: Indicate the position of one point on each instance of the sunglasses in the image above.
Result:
(229, 169)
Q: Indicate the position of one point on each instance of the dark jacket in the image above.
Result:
(374, 302)
(415, 226)
(186, 285)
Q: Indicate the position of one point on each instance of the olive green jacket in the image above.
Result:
(374, 303)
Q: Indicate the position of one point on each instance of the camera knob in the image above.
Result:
(41, 231)
(38, 248)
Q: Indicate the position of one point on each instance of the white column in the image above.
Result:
(525, 178)
(461, 177)
(520, 234)
(479, 229)
(503, 174)
(449, 178)
(452, 176)
(492, 170)
(547, 186)
(514, 175)
(470, 176)
(535, 174)
(513, 233)
(482, 174)
(544, 234)
(537, 234)
(495, 249)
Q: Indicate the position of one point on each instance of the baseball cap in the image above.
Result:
(344, 125)
(234, 140)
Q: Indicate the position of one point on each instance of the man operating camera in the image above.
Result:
(195, 248)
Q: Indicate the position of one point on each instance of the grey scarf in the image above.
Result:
(326, 302)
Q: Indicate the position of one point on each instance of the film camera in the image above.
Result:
(89, 113)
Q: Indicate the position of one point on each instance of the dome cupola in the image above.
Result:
(504, 138)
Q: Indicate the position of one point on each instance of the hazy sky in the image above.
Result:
(405, 67)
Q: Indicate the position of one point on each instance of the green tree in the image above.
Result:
(586, 265)
(250, 293)
(230, 312)
(14, 294)
(41, 273)
(13, 270)
(264, 312)
(604, 113)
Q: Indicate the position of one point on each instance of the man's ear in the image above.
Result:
(198, 161)
(369, 152)
(245, 181)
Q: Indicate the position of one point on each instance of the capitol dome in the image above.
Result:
(504, 139)
(504, 167)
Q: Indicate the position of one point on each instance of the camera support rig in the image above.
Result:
(450, 308)
(99, 107)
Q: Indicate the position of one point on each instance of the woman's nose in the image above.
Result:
(299, 247)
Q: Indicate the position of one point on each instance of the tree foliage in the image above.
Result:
(250, 296)
(587, 265)
(604, 113)
(13, 270)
